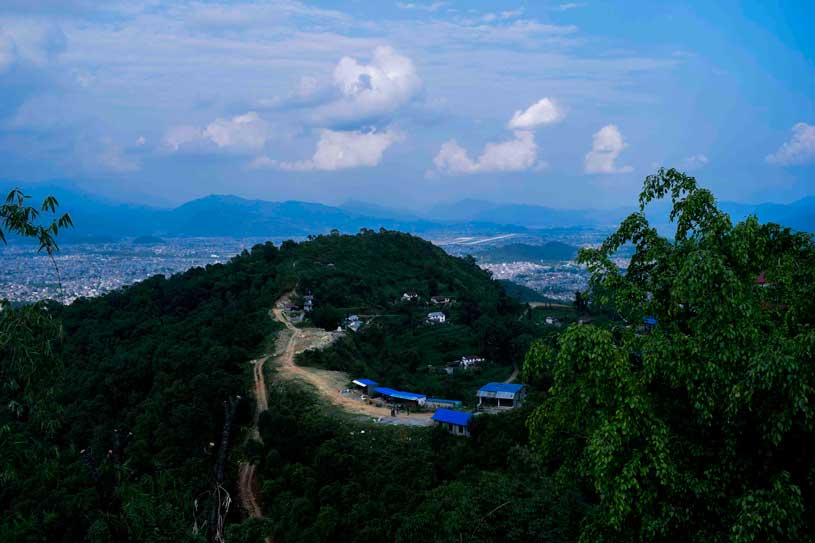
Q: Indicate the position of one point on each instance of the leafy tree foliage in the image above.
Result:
(701, 427)
(326, 479)
(141, 375)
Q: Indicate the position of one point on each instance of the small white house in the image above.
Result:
(410, 297)
(436, 317)
(353, 323)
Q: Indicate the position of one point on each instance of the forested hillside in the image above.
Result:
(397, 346)
(684, 413)
(133, 429)
(140, 398)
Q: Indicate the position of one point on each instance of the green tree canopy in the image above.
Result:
(700, 427)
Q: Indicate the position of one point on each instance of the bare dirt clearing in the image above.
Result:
(329, 384)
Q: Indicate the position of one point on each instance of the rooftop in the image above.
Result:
(511, 388)
(453, 417)
(365, 382)
(391, 393)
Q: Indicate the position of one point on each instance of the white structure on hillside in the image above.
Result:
(436, 317)
(470, 361)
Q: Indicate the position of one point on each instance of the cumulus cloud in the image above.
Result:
(243, 133)
(694, 162)
(518, 154)
(514, 155)
(544, 111)
(338, 150)
(607, 144)
(370, 91)
(800, 149)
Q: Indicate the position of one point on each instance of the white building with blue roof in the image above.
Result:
(400, 396)
(501, 395)
(455, 422)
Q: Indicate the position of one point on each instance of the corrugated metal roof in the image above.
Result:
(364, 382)
(503, 391)
(651, 321)
(453, 417)
(442, 400)
(389, 392)
(502, 387)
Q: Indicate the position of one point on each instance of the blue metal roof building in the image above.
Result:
(456, 422)
(401, 395)
(501, 395)
(365, 383)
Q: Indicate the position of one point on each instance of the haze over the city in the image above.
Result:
(407, 103)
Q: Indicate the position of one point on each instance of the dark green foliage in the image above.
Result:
(146, 370)
(700, 429)
(369, 277)
(524, 293)
(328, 480)
(139, 381)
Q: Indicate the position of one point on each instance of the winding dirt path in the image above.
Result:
(329, 385)
(513, 375)
(247, 479)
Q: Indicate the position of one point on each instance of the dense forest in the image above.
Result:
(398, 347)
(684, 414)
(126, 443)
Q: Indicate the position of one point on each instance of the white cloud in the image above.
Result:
(243, 133)
(435, 6)
(607, 144)
(246, 131)
(338, 150)
(371, 91)
(800, 149)
(544, 111)
(513, 155)
(693, 162)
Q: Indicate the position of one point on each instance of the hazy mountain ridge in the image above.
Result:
(234, 216)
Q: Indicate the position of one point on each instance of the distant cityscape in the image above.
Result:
(87, 270)
(92, 269)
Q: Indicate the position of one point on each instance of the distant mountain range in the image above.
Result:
(99, 219)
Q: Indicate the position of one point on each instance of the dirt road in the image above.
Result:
(513, 375)
(329, 384)
(247, 480)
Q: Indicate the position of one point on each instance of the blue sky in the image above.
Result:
(568, 104)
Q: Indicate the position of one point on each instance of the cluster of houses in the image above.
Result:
(491, 397)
